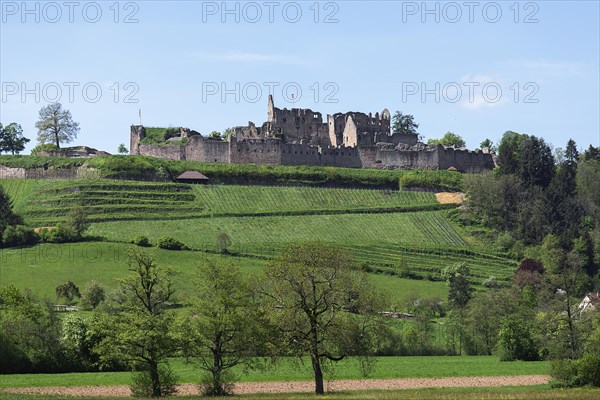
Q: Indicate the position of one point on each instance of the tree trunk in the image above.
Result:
(316, 364)
(216, 374)
(156, 392)
(571, 328)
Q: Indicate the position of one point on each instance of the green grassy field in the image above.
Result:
(293, 370)
(47, 202)
(394, 232)
(424, 242)
(266, 233)
(43, 267)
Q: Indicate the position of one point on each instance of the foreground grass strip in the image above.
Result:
(290, 369)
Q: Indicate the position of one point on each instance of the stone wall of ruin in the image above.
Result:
(48, 173)
(367, 155)
(260, 151)
(176, 152)
(206, 150)
(300, 125)
(465, 160)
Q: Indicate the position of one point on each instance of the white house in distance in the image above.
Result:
(591, 302)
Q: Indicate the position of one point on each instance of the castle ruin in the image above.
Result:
(300, 137)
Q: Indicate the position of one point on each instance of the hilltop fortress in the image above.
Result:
(300, 137)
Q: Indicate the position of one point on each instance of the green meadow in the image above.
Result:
(295, 370)
(43, 267)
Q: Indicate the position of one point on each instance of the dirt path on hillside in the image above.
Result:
(307, 386)
(450, 198)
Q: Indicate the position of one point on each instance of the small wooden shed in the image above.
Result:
(192, 177)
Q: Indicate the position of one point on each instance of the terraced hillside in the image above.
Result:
(44, 202)
(391, 232)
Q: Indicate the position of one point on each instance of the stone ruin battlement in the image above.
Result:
(301, 137)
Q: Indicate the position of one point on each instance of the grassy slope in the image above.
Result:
(424, 242)
(292, 370)
(398, 243)
(46, 202)
(43, 267)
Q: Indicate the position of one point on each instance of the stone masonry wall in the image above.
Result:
(408, 159)
(205, 150)
(261, 151)
(168, 152)
(49, 173)
(464, 160)
(303, 154)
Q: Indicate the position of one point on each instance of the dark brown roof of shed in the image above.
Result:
(192, 175)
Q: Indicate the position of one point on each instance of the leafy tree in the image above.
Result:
(515, 339)
(588, 186)
(77, 220)
(559, 155)
(536, 167)
(139, 330)
(457, 278)
(532, 223)
(12, 139)
(418, 337)
(68, 291)
(19, 235)
(487, 143)
(495, 201)
(449, 139)
(29, 334)
(226, 327)
(56, 125)
(223, 241)
(321, 306)
(571, 153)
(563, 208)
(565, 283)
(215, 135)
(168, 243)
(484, 314)
(227, 134)
(122, 149)
(592, 153)
(93, 294)
(530, 273)
(510, 153)
(7, 216)
(404, 124)
(459, 294)
(77, 343)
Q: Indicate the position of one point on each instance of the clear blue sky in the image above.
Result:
(171, 57)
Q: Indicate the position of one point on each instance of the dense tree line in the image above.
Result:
(544, 211)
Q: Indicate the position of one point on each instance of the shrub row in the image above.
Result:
(164, 242)
(20, 235)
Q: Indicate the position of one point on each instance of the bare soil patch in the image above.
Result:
(308, 386)
(450, 198)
